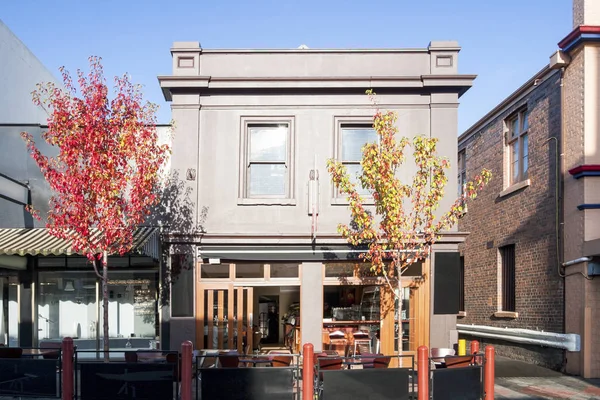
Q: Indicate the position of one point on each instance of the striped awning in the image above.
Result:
(37, 241)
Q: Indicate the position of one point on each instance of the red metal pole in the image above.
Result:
(67, 369)
(186, 370)
(475, 350)
(308, 371)
(488, 375)
(423, 373)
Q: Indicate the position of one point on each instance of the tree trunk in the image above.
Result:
(105, 305)
(400, 301)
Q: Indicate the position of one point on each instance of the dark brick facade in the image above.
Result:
(525, 218)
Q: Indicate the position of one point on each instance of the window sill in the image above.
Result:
(461, 314)
(516, 187)
(266, 202)
(344, 202)
(506, 314)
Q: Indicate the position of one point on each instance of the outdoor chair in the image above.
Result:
(368, 359)
(459, 361)
(438, 356)
(325, 364)
(229, 359)
(361, 339)
(281, 361)
(131, 357)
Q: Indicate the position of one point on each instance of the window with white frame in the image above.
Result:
(518, 146)
(352, 137)
(267, 159)
(462, 171)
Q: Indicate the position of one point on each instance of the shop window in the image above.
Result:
(284, 270)
(341, 270)
(214, 271)
(68, 302)
(249, 271)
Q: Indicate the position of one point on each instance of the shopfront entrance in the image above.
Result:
(243, 299)
(358, 304)
(242, 305)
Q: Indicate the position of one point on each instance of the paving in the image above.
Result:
(517, 380)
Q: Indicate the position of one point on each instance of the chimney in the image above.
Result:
(586, 12)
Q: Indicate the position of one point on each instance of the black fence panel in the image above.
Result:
(463, 383)
(367, 384)
(124, 381)
(29, 377)
(246, 383)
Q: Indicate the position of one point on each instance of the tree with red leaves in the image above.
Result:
(107, 173)
(405, 225)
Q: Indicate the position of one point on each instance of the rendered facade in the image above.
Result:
(253, 131)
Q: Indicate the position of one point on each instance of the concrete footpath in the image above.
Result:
(519, 380)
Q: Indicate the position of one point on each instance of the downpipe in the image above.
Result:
(567, 341)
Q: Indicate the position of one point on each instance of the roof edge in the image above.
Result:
(502, 105)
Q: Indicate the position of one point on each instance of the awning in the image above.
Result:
(37, 241)
(281, 253)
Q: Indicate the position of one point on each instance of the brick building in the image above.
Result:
(534, 241)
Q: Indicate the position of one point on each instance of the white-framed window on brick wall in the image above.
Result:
(517, 141)
(267, 154)
(351, 136)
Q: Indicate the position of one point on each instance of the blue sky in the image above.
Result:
(503, 42)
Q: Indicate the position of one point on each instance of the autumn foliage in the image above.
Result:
(404, 226)
(107, 171)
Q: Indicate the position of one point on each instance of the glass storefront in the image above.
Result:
(9, 310)
(70, 304)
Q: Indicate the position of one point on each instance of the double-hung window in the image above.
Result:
(518, 146)
(267, 160)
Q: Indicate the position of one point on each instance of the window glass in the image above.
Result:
(268, 143)
(284, 270)
(214, 271)
(353, 140)
(244, 270)
(267, 179)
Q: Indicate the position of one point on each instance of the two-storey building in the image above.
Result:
(253, 131)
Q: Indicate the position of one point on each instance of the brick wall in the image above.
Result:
(525, 218)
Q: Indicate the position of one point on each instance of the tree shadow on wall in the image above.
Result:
(176, 215)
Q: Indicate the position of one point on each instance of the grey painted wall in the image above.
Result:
(214, 93)
(218, 90)
(20, 71)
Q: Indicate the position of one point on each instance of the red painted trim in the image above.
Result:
(575, 33)
(584, 168)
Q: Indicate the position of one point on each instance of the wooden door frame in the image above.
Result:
(233, 291)
(419, 313)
